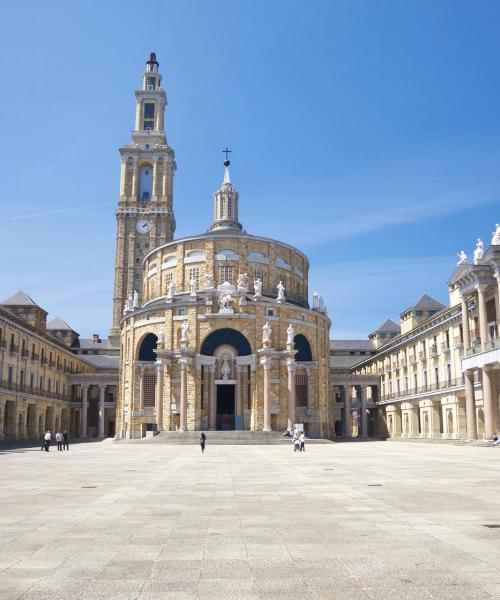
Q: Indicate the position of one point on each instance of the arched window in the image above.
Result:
(147, 347)
(145, 183)
(304, 353)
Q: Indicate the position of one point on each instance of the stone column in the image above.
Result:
(183, 415)
(237, 403)
(465, 322)
(364, 417)
(470, 405)
(489, 424)
(266, 363)
(100, 425)
(155, 179)
(159, 396)
(123, 176)
(164, 178)
(83, 429)
(347, 411)
(292, 367)
(135, 180)
(483, 319)
(211, 399)
(497, 277)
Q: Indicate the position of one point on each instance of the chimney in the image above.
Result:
(95, 338)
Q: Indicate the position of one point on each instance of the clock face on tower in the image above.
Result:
(143, 226)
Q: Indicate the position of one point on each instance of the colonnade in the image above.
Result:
(487, 370)
(84, 424)
(362, 404)
(160, 182)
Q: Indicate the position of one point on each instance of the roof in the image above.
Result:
(389, 326)
(89, 344)
(351, 345)
(102, 361)
(425, 302)
(346, 362)
(59, 324)
(19, 299)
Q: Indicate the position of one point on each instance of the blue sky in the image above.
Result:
(366, 133)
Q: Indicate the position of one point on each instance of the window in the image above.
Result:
(258, 274)
(151, 81)
(194, 273)
(226, 274)
(41, 383)
(149, 115)
(21, 377)
(270, 312)
(32, 381)
(149, 389)
(168, 278)
(301, 391)
(10, 375)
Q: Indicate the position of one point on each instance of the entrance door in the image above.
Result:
(225, 407)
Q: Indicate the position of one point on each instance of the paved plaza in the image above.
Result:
(370, 521)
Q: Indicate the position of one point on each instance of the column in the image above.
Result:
(141, 387)
(483, 319)
(489, 425)
(470, 405)
(266, 363)
(83, 429)
(211, 399)
(497, 297)
(100, 428)
(135, 178)
(364, 417)
(291, 366)
(237, 408)
(159, 396)
(123, 176)
(465, 323)
(164, 178)
(155, 178)
(347, 411)
(183, 415)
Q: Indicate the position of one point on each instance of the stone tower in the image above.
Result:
(144, 216)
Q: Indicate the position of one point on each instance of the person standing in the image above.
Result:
(59, 440)
(65, 440)
(203, 440)
(302, 440)
(46, 438)
(296, 442)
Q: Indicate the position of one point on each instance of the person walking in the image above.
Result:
(65, 440)
(302, 440)
(46, 438)
(296, 442)
(59, 440)
(203, 441)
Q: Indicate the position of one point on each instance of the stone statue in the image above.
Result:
(161, 336)
(185, 332)
(281, 292)
(125, 308)
(130, 302)
(266, 333)
(243, 282)
(495, 240)
(318, 303)
(135, 303)
(225, 300)
(479, 251)
(462, 258)
(290, 334)
(209, 282)
(171, 291)
(257, 286)
(225, 369)
(193, 285)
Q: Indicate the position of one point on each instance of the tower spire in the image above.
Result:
(226, 202)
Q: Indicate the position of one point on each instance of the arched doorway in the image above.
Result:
(146, 352)
(228, 391)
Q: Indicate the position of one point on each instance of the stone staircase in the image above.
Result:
(221, 438)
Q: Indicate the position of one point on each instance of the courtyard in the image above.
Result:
(375, 520)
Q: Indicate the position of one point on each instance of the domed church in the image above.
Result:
(215, 329)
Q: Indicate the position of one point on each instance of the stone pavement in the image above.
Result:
(373, 521)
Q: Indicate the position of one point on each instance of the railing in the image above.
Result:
(422, 356)
(44, 360)
(445, 348)
(434, 350)
(34, 356)
(25, 353)
(3, 344)
(26, 389)
(477, 347)
(457, 341)
(412, 360)
(395, 365)
(403, 363)
(13, 349)
(433, 387)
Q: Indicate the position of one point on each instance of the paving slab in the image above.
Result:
(341, 521)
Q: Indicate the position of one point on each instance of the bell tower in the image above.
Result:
(144, 217)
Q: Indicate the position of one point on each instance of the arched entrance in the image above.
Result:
(225, 381)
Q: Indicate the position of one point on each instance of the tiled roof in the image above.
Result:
(388, 326)
(425, 302)
(103, 361)
(59, 324)
(19, 299)
(351, 345)
(89, 344)
(345, 362)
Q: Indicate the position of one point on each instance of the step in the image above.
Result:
(220, 438)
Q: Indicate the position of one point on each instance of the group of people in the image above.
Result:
(62, 441)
